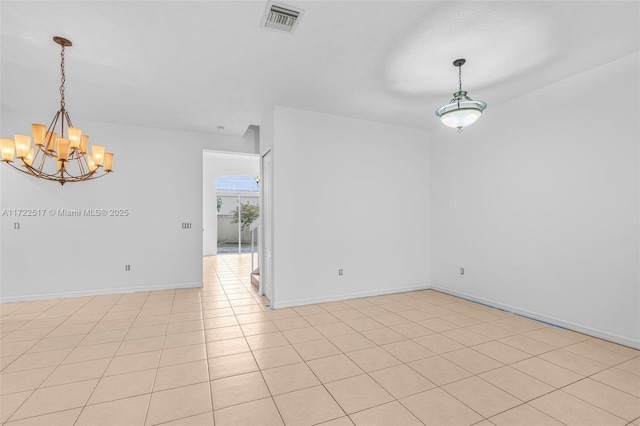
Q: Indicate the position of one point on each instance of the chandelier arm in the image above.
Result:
(43, 158)
(82, 172)
(52, 126)
(90, 176)
(51, 130)
(37, 173)
(66, 115)
(62, 179)
(69, 176)
(95, 176)
(81, 165)
(19, 169)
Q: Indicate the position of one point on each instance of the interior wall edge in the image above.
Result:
(593, 332)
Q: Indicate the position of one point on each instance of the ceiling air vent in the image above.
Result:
(281, 17)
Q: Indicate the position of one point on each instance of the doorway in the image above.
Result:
(216, 165)
(238, 207)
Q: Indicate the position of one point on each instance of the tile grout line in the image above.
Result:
(59, 364)
(146, 412)
(45, 336)
(206, 349)
(271, 396)
(112, 357)
(160, 358)
(305, 362)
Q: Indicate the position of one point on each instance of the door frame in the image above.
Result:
(266, 209)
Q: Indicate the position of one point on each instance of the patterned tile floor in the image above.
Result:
(192, 357)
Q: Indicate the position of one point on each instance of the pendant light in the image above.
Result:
(461, 111)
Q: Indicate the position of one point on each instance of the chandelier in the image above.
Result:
(59, 157)
(461, 111)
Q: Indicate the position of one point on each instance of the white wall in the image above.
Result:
(539, 201)
(215, 165)
(247, 143)
(332, 176)
(157, 176)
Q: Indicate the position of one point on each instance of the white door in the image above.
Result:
(266, 264)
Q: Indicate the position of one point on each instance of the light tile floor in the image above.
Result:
(189, 357)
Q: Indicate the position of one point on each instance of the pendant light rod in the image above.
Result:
(459, 63)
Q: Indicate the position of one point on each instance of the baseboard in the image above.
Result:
(346, 296)
(98, 292)
(612, 337)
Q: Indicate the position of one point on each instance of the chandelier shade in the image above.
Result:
(60, 157)
(461, 111)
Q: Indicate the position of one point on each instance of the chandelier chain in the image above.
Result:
(62, 80)
(459, 77)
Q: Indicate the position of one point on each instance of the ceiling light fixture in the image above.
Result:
(62, 158)
(461, 111)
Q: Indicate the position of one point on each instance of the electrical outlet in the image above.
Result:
(16, 225)
(186, 225)
(461, 271)
(127, 267)
(340, 271)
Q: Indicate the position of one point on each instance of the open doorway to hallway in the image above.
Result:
(237, 174)
(231, 200)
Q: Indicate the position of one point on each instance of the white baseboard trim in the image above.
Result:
(98, 292)
(347, 296)
(612, 337)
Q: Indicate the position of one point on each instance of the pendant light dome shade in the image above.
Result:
(460, 114)
(461, 111)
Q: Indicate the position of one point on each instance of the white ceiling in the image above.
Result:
(194, 65)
